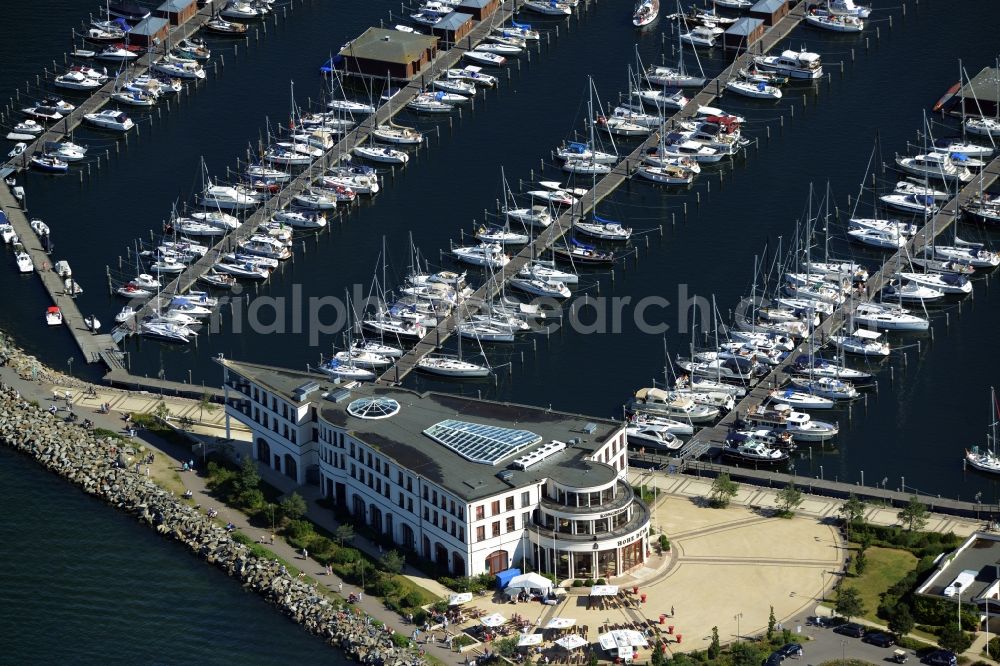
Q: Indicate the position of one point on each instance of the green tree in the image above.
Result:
(344, 533)
(853, 511)
(655, 658)
(771, 621)
(506, 647)
(901, 621)
(293, 506)
(849, 603)
(592, 659)
(205, 404)
(860, 562)
(392, 562)
(723, 490)
(248, 478)
(161, 411)
(953, 638)
(747, 654)
(789, 498)
(913, 515)
(714, 648)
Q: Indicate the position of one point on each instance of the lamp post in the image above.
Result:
(843, 652)
(738, 617)
(958, 586)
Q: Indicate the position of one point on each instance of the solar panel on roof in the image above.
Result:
(480, 443)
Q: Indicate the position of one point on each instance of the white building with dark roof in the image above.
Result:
(475, 486)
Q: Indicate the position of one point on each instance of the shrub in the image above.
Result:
(299, 529)
(411, 600)
(462, 640)
(384, 586)
(399, 640)
(577, 583)
(346, 556)
(589, 582)
(601, 581)
(420, 617)
(664, 543)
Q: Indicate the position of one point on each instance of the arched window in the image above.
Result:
(496, 562)
(291, 469)
(263, 451)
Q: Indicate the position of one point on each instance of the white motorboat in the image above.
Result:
(554, 197)
(861, 342)
(904, 229)
(74, 80)
(826, 387)
(464, 89)
(536, 216)
(888, 318)
(793, 64)
(946, 283)
(447, 366)
(957, 145)
(299, 220)
(115, 53)
(240, 11)
(782, 418)
(983, 126)
(662, 98)
(163, 330)
(847, 8)
(758, 90)
(645, 13)
(490, 255)
(800, 399)
(382, 154)
(884, 239)
(224, 197)
(603, 229)
(485, 58)
(429, 19)
(349, 106)
(548, 7)
(834, 22)
(473, 74)
(672, 405)
(178, 68)
(935, 165)
(678, 145)
(653, 437)
(23, 260)
(43, 113)
(126, 314)
(397, 135)
(216, 219)
(110, 120)
(501, 236)
(919, 190)
(313, 199)
(246, 270)
(586, 167)
(537, 287)
(17, 149)
(669, 425)
(499, 48)
(519, 30)
(379, 348)
(667, 175)
(508, 39)
(29, 127)
(53, 316)
(131, 291)
(48, 163)
(700, 35)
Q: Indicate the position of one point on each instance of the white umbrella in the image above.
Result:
(571, 641)
(604, 590)
(460, 598)
(494, 620)
(560, 623)
(529, 639)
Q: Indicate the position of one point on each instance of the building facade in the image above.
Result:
(474, 486)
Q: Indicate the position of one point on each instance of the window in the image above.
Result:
(495, 507)
(525, 499)
(510, 524)
(480, 512)
(426, 494)
(526, 519)
(461, 534)
(509, 505)
(409, 484)
(409, 504)
(399, 478)
(453, 508)
(496, 528)
(434, 497)
(480, 533)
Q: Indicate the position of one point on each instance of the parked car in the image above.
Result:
(790, 650)
(941, 658)
(852, 629)
(879, 639)
(819, 621)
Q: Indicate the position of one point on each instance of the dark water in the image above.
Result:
(86, 584)
(917, 425)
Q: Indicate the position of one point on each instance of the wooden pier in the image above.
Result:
(102, 95)
(707, 439)
(602, 189)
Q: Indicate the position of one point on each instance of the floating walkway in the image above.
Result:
(603, 188)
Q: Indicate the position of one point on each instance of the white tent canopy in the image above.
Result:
(531, 581)
(571, 641)
(525, 640)
(460, 598)
(560, 623)
(494, 620)
(622, 639)
(604, 590)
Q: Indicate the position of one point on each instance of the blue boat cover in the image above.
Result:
(3, 217)
(123, 24)
(504, 577)
(575, 147)
(523, 26)
(577, 243)
(598, 218)
(960, 157)
(761, 86)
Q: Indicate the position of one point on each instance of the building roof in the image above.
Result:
(976, 564)
(388, 46)
(768, 6)
(150, 26)
(175, 5)
(745, 26)
(452, 21)
(401, 436)
(479, 4)
(985, 86)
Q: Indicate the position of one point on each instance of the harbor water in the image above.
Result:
(930, 404)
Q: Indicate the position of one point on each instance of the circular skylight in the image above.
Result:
(373, 408)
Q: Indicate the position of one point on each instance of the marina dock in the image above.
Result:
(64, 128)
(710, 438)
(602, 189)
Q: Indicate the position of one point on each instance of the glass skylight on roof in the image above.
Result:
(373, 408)
(481, 443)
